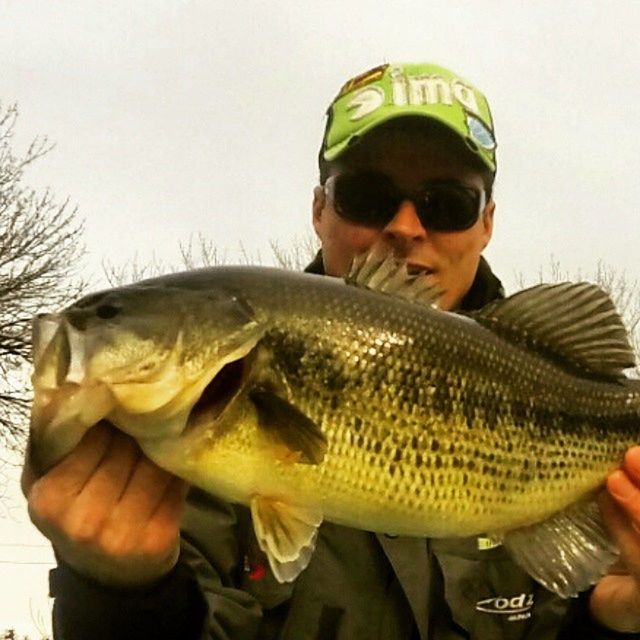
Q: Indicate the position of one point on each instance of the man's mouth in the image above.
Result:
(416, 269)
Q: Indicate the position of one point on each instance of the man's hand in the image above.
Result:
(110, 512)
(615, 601)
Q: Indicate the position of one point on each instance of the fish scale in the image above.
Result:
(363, 408)
(417, 357)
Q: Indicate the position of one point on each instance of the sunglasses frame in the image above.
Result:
(329, 190)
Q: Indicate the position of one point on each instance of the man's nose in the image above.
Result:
(405, 225)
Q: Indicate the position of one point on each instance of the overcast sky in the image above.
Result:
(173, 118)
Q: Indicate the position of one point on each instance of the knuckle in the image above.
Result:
(118, 541)
(44, 503)
(161, 543)
(119, 549)
(85, 530)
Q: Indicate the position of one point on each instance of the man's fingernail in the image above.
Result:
(618, 485)
(632, 461)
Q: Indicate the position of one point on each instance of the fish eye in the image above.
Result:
(107, 311)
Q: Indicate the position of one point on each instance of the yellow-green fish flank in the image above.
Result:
(307, 398)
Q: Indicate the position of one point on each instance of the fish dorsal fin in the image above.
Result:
(286, 533)
(577, 322)
(379, 270)
(566, 553)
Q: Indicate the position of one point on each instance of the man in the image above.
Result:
(407, 162)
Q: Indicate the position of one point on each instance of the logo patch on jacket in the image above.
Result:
(515, 607)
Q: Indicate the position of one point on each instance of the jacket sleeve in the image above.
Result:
(83, 608)
(197, 600)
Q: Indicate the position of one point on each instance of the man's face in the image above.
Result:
(411, 159)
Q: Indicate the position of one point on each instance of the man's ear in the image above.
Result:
(487, 221)
(317, 207)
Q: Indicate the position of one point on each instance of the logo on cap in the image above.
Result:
(481, 133)
(431, 89)
(372, 75)
(407, 90)
(365, 102)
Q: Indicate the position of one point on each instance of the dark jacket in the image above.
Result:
(358, 585)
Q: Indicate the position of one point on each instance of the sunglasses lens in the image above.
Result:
(371, 199)
(365, 198)
(449, 208)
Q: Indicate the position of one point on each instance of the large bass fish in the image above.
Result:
(308, 398)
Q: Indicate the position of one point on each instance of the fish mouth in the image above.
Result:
(221, 392)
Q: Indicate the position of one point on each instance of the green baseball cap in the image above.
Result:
(395, 90)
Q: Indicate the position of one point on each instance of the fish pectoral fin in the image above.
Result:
(299, 438)
(286, 533)
(566, 553)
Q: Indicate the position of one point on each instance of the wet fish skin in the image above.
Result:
(420, 422)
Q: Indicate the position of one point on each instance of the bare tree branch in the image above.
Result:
(297, 257)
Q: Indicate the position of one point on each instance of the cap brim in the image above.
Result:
(337, 150)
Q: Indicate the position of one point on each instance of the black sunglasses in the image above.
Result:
(372, 199)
